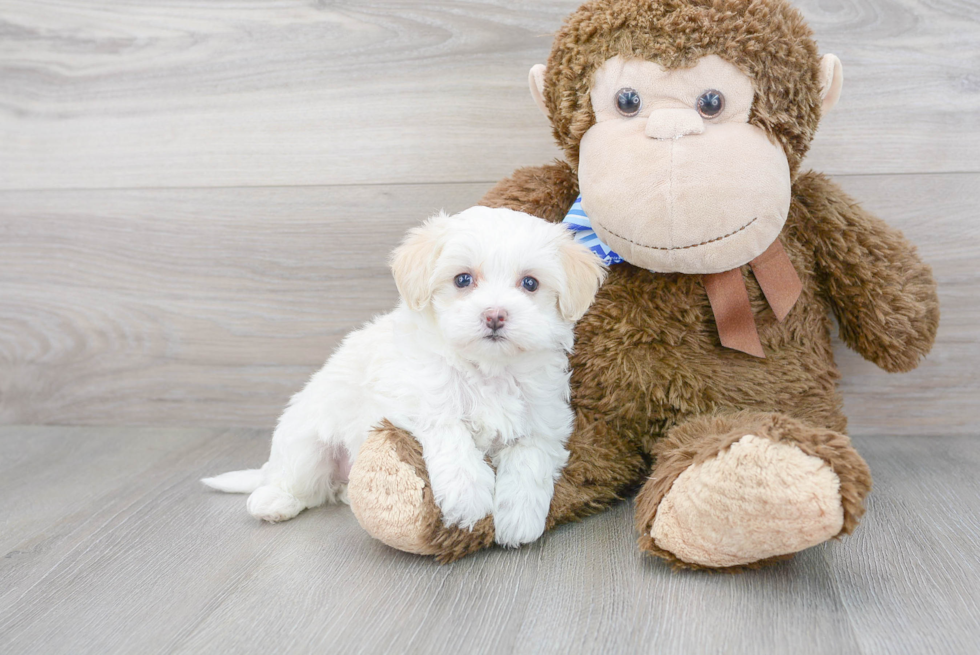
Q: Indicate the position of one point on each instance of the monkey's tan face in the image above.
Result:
(672, 175)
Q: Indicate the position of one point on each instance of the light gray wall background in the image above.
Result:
(197, 199)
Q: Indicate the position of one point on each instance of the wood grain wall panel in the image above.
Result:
(195, 307)
(210, 307)
(123, 94)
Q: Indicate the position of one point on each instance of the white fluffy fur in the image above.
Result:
(431, 367)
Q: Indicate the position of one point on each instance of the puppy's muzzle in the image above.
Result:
(495, 319)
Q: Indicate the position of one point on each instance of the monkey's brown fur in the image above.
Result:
(653, 389)
(768, 41)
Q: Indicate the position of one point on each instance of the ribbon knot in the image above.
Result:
(727, 294)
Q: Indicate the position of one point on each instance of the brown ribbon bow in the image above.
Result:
(730, 299)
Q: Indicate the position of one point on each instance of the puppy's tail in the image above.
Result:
(237, 482)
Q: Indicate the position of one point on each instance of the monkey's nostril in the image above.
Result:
(673, 123)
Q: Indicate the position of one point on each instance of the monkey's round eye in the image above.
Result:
(711, 103)
(529, 284)
(628, 102)
(463, 280)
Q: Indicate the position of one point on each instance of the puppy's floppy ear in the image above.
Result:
(584, 273)
(413, 262)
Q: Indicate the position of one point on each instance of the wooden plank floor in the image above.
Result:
(113, 546)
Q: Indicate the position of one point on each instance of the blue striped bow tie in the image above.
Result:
(577, 221)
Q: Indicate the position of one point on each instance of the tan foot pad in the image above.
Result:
(755, 500)
(386, 496)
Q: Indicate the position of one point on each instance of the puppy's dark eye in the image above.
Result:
(529, 284)
(628, 102)
(463, 280)
(711, 103)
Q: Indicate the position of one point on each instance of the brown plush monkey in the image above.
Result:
(703, 372)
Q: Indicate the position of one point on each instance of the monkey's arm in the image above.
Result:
(883, 294)
(544, 191)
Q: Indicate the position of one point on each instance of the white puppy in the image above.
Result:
(473, 363)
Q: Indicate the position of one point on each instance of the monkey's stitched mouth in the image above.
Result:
(693, 245)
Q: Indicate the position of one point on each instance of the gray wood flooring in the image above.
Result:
(196, 203)
(113, 546)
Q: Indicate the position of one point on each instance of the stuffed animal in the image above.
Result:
(703, 374)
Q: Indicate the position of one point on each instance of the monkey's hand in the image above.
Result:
(883, 294)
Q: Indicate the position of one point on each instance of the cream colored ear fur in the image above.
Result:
(585, 273)
(413, 262)
(831, 81)
(535, 80)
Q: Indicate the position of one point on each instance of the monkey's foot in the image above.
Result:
(391, 498)
(745, 489)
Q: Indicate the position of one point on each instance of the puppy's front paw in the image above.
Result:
(519, 515)
(273, 504)
(465, 494)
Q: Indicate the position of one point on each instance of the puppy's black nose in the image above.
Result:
(495, 318)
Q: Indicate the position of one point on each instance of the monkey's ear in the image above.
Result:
(535, 80)
(831, 81)
(413, 262)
